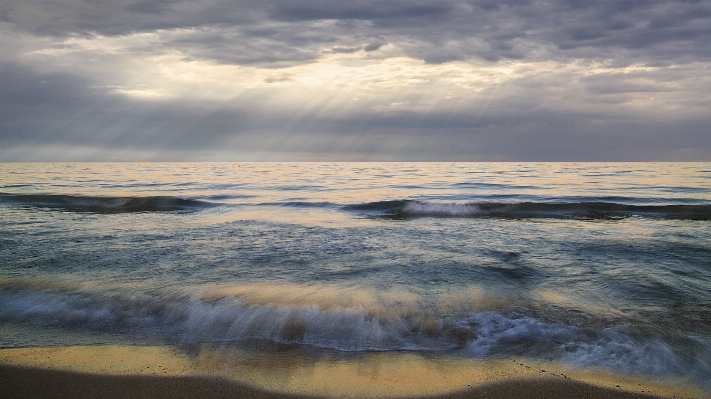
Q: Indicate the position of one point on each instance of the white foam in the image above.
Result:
(480, 335)
(441, 209)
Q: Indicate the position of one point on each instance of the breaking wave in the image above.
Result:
(190, 319)
(404, 209)
(103, 204)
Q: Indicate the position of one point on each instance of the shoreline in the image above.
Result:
(26, 382)
(166, 372)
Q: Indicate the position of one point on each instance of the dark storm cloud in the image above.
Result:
(75, 97)
(310, 10)
(151, 7)
(639, 25)
(437, 32)
(267, 46)
(374, 46)
(59, 108)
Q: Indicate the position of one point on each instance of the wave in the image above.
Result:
(104, 204)
(299, 204)
(190, 319)
(404, 209)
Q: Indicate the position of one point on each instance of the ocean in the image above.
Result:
(595, 266)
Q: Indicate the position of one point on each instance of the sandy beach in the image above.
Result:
(22, 382)
(160, 372)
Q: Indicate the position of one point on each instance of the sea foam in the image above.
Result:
(228, 322)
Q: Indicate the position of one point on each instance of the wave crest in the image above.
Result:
(441, 209)
(404, 209)
(103, 204)
(188, 319)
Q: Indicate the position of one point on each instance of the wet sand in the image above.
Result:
(22, 382)
(164, 372)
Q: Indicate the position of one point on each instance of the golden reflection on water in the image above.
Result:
(367, 375)
(384, 305)
(351, 182)
(401, 374)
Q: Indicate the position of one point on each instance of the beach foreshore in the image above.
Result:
(163, 372)
(24, 382)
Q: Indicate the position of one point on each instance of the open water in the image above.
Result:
(594, 265)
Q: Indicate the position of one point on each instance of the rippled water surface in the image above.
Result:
(594, 265)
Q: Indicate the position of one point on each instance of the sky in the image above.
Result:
(355, 80)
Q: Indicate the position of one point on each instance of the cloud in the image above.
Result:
(155, 7)
(464, 29)
(448, 79)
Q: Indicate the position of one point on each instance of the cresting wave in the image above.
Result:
(103, 204)
(192, 319)
(394, 209)
(404, 209)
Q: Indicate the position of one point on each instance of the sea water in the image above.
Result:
(593, 265)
